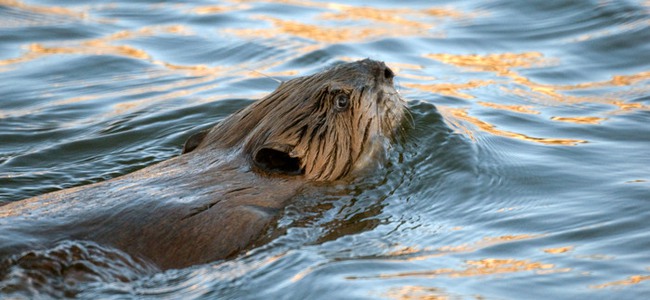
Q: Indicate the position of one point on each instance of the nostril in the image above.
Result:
(388, 73)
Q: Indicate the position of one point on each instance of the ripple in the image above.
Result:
(490, 128)
(67, 269)
(525, 167)
(18, 14)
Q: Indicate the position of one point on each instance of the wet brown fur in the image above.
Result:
(300, 118)
(218, 198)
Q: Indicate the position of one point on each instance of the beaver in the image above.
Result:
(219, 196)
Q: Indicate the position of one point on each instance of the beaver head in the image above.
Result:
(319, 126)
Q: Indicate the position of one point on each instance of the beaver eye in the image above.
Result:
(342, 101)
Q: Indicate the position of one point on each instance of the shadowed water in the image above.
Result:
(525, 173)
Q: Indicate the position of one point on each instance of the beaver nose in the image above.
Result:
(377, 69)
(382, 71)
(388, 73)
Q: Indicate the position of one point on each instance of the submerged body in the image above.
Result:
(219, 197)
(177, 213)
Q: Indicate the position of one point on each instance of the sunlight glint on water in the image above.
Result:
(525, 176)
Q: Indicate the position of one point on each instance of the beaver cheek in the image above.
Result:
(373, 156)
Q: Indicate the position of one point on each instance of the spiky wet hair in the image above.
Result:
(317, 126)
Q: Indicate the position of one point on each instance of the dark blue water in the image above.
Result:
(526, 173)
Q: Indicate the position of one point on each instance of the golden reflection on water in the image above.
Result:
(218, 9)
(102, 46)
(94, 47)
(451, 89)
(473, 268)
(559, 250)
(345, 11)
(389, 16)
(580, 120)
(635, 279)
(383, 23)
(412, 292)
(51, 10)
(503, 64)
(461, 114)
(524, 109)
(99, 46)
(302, 274)
(408, 253)
(321, 34)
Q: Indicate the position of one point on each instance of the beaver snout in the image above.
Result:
(378, 69)
(388, 73)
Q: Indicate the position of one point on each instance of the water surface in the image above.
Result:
(525, 174)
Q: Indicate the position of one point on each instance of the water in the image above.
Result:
(525, 176)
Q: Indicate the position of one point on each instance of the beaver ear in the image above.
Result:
(278, 158)
(194, 141)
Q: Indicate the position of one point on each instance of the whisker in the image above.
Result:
(267, 76)
(408, 115)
